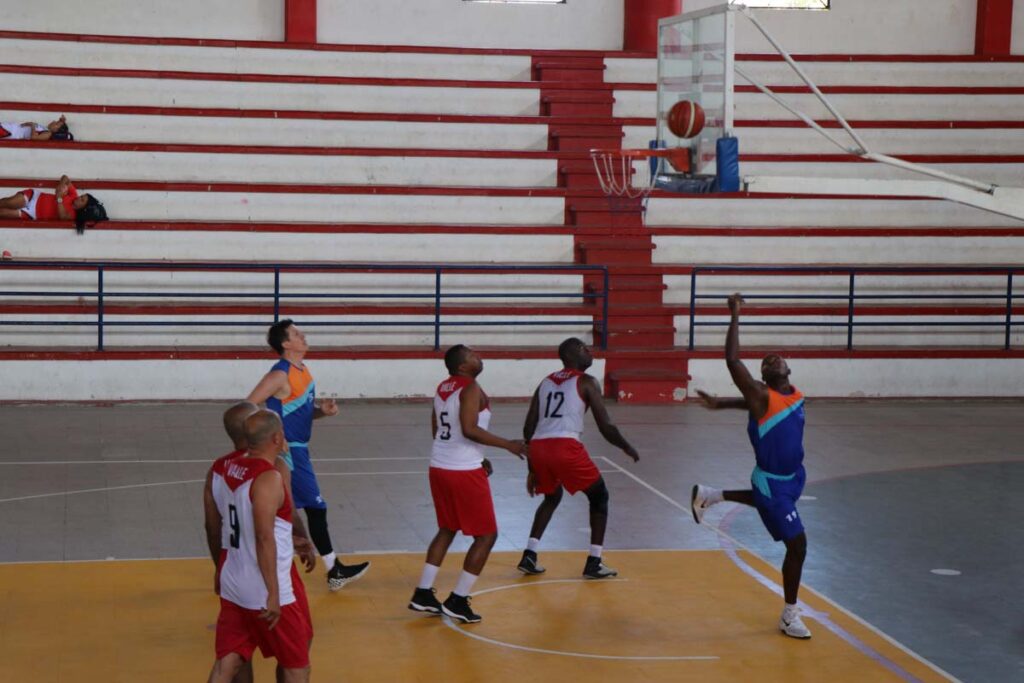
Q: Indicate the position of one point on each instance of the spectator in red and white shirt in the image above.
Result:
(65, 205)
(30, 130)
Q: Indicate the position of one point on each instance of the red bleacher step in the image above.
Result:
(624, 250)
(595, 103)
(613, 212)
(628, 289)
(637, 334)
(574, 69)
(647, 386)
(583, 138)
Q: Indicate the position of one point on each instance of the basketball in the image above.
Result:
(686, 119)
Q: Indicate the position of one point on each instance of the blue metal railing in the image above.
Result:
(101, 293)
(851, 297)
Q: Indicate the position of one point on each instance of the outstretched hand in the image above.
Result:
(710, 402)
(735, 303)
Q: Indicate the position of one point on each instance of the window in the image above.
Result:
(787, 4)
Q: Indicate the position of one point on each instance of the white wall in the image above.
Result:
(231, 19)
(1017, 37)
(577, 24)
(862, 26)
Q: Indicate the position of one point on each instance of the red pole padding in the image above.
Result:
(994, 28)
(300, 21)
(640, 31)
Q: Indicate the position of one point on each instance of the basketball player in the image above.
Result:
(458, 482)
(288, 390)
(218, 533)
(258, 601)
(776, 431)
(559, 461)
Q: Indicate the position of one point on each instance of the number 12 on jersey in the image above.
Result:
(556, 397)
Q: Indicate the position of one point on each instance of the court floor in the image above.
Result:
(912, 573)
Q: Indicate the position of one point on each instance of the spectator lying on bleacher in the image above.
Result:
(30, 130)
(65, 205)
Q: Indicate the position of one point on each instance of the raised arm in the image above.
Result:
(716, 403)
(469, 414)
(611, 434)
(754, 393)
(267, 496)
(271, 384)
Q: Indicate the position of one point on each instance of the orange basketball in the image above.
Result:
(686, 119)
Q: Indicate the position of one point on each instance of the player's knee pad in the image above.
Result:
(553, 499)
(598, 497)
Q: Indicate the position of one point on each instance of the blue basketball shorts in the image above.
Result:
(778, 511)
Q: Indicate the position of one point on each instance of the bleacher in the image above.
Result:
(391, 155)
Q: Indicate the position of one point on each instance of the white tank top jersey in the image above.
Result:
(16, 131)
(561, 406)
(452, 450)
(240, 579)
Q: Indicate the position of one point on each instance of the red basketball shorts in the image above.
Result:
(561, 462)
(462, 501)
(241, 631)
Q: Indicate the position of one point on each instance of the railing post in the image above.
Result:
(849, 316)
(1009, 308)
(99, 308)
(277, 293)
(604, 313)
(693, 305)
(437, 309)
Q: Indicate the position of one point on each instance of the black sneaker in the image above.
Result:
(341, 574)
(528, 565)
(594, 569)
(457, 607)
(424, 600)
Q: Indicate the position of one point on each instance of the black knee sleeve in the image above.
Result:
(598, 497)
(317, 519)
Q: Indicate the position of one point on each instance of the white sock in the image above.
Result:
(428, 576)
(715, 496)
(595, 550)
(533, 544)
(790, 611)
(329, 559)
(464, 585)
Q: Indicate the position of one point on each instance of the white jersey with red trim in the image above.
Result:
(452, 450)
(16, 131)
(561, 406)
(241, 581)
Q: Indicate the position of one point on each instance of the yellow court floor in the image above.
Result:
(672, 616)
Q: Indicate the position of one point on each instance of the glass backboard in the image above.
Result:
(695, 62)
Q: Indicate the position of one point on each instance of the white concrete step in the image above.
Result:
(211, 245)
(143, 166)
(856, 106)
(855, 72)
(292, 132)
(159, 205)
(160, 92)
(814, 212)
(250, 60)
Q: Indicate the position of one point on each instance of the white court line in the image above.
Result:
(583, 655)
(771, 584)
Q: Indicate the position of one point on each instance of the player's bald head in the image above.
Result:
(234, 419)
(260, 428)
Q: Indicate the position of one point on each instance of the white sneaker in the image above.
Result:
(699, 501)
(793, 626)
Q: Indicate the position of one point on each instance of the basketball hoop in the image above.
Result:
(628, 173)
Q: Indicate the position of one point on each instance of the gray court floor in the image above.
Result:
(895, 490)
